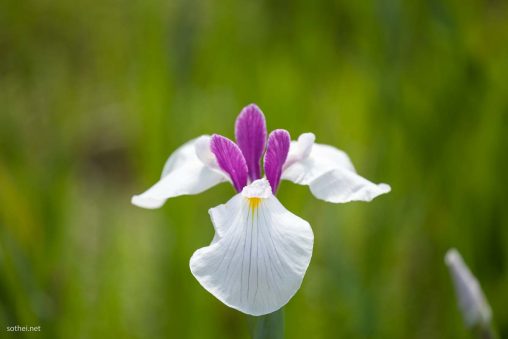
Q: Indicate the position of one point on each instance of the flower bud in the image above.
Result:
(472, 302)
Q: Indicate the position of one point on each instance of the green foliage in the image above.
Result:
(95, 95)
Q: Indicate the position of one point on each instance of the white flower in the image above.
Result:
(260, 252)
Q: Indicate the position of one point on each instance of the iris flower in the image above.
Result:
(260, 252)
(472, 302)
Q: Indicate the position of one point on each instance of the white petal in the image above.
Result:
(473, 304)
(329, 172)
(204, 152)
(300, 149)
(183, 173)
(340, 186)
(258, 257)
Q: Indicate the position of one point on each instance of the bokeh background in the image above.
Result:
(94, 96)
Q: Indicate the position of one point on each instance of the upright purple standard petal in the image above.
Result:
(250, 133)
(230, 160)
(275, 157)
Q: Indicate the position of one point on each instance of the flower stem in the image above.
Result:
(270, 326)
(485, 332)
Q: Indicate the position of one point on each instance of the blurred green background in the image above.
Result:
(94, 96)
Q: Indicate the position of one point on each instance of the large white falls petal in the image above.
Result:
(259, 255)
(328, 172)
(185, 172)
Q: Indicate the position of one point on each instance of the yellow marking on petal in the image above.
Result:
(254, 203)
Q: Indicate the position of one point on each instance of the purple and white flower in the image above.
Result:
(260, 251)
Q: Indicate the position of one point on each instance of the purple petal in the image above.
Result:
(275, 157)
(230, 160)
(250, 133)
